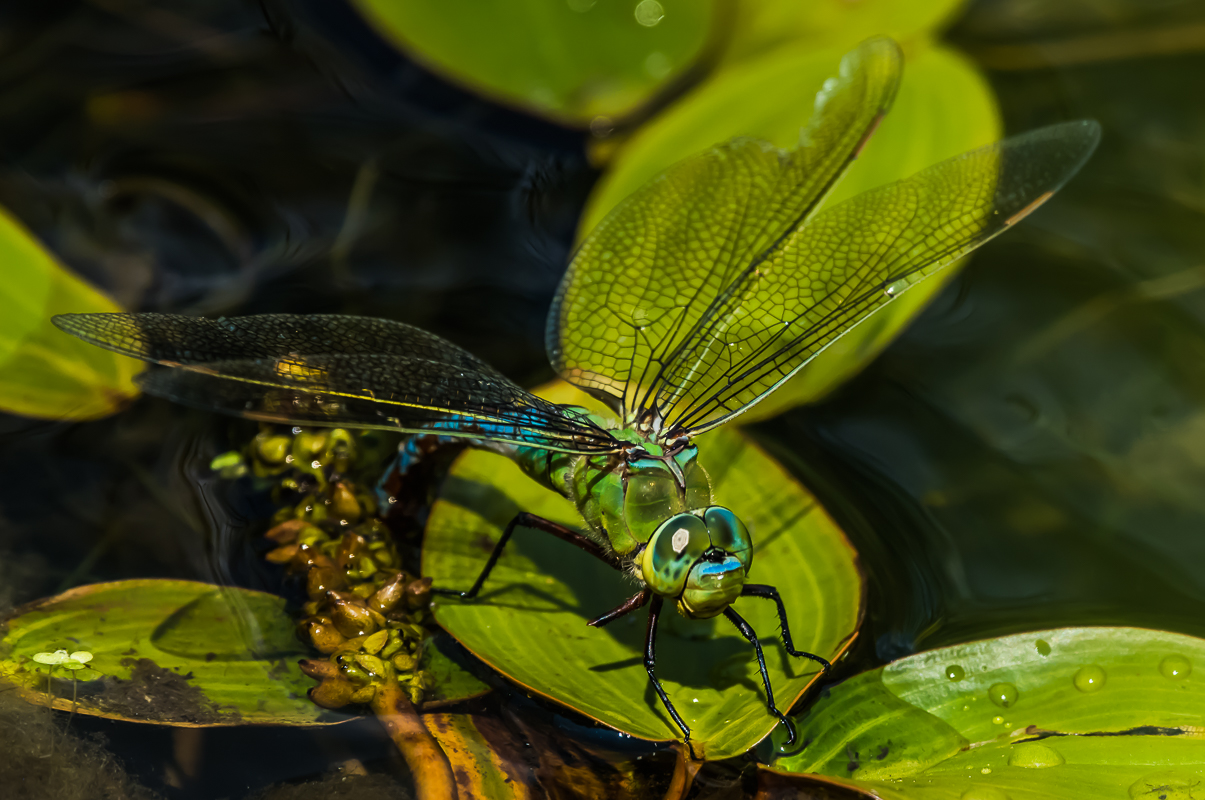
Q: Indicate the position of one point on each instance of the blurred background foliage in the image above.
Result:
(1028, 454)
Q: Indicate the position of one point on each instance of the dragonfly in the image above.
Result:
(696, 298)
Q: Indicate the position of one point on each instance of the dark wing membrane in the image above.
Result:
(640, 283)
(173, 339)
(332, 370)
(849, 261)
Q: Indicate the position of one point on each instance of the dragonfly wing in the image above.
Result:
(848, 261)
(173, 339)
(333, 370)
(641, 282)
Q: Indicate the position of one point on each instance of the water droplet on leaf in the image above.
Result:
(1002, 694)
(1034, 755)
(1175, 667)
(955, 672)
(1089, 679)
(649, 13)
(983, 793)
(1043, 647)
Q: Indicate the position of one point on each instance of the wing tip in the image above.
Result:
(68, 323)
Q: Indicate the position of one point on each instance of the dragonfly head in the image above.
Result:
(699, 557)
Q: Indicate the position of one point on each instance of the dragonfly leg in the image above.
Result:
(525, 519)
(650, 664)
(634, 602)
(770, 593)
(747, 631)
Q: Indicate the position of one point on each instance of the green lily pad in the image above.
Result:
(167, 652)
(571, 60)
(1069, 713)
(944, 107)
(44, 373)
(530, 620)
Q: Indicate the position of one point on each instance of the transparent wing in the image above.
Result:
(335, 370)
(640, 284)
(848, 261)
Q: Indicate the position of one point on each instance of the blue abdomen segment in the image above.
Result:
(547, 467)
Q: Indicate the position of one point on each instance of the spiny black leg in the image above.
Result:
(634, 602)
(770, 593)
(650, 664)
(747, 631)
(528, 520)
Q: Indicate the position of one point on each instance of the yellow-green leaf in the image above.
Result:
(530, 620)
(43, 372)
(943, 108)
(572, 60)
(763, 26)
(1069, 713)
(167, 652)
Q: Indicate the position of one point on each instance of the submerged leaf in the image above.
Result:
(1069, 713)
(530, 620)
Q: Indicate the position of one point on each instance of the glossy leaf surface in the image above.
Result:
(529, 621)
(943, 108)
(167, 652)
(1072, 712)
(572, 60)
(42, 372)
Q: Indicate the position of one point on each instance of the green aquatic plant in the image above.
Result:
(60, 658)
(68, 661)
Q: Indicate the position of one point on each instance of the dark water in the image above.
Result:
(1031, 453)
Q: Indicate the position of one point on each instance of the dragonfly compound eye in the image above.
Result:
(729, 534)
(674, 548)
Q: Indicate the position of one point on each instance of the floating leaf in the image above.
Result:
(530, 620)
(1069, 713)
(44, 373)
(763, 26)
(165, 651)
(943, 108)
(572, 60)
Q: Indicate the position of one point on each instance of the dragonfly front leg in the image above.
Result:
(770, 593)
(747, 631)
(638, 600)
(525, 519)
(650, 665)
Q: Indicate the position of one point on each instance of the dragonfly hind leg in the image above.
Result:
(525, 519)
(770, 593)
(747, 631)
